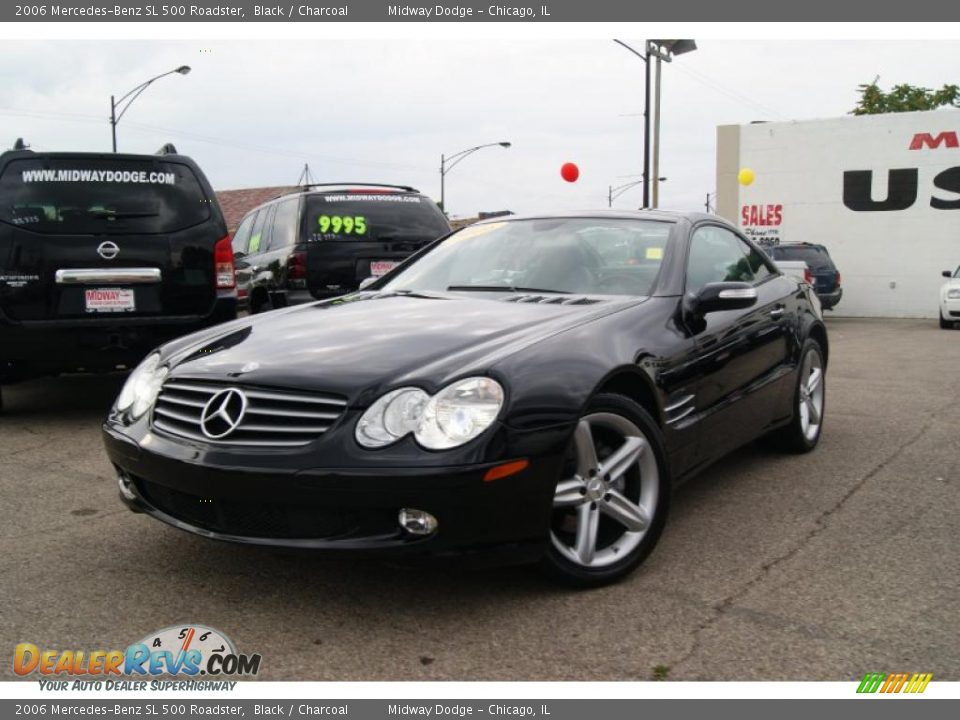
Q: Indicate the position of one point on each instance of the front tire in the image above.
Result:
(944, 323)
(611, 504)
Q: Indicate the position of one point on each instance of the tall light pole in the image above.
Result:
(447, 163)
(614, 192)
(662, 50)
(116, 111)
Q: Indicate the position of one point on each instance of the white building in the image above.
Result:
(881, 192)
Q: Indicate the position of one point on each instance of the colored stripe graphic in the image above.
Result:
(918, 683)
(871, 682)
(894, 682)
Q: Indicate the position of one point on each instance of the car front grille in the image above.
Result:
(266, 519)
(272, 418)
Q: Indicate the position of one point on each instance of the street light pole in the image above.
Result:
(656, 140)
(133, 95)
(646, 129)
(662, 50)
(614, 192)
(453, 160)
(645, 56)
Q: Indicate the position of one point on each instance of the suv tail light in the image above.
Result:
(807, 276)
(223, 264)
(838, 279)
(297, 265)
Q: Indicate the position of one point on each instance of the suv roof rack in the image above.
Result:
(301, 188)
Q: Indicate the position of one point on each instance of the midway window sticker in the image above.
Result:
(104, 176)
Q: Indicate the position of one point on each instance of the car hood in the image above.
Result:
(373, 340)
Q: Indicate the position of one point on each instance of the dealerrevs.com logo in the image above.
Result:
(188, 650)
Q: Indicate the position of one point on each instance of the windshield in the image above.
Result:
(562, 255)
(91, 196)
(813, 256)
(378, 216)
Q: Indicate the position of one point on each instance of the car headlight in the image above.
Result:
(142, 387)
(953, 294)
(391, 417)
(452, 417)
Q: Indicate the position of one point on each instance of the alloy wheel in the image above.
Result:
(811, 394)
(606, 502)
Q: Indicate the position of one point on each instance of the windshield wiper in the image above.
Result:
(108, 214)
(504, 288)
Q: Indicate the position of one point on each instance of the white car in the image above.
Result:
(950, 299)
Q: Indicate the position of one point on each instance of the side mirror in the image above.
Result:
(714, 297)
(367, 282)
(947, 273)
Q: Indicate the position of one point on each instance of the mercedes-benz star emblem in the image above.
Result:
(223, 413)
(108, 250)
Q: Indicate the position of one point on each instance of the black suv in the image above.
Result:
(105, 256)
(826, 277)
(324, 240)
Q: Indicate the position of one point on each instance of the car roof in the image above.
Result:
(339, 187)
(671, 216)
(27, 154)
(800, 244)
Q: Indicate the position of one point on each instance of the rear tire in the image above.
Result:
(262, 305)
(611, 503)
(809, 403)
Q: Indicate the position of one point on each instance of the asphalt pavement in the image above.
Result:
(772, 567)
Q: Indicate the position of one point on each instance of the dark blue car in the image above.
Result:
(826, 277)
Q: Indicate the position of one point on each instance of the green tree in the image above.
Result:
(904, 98)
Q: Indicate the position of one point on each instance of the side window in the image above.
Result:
(241, 238)
(758, 266)
(284, 233)
(716, 255)
(259, 231)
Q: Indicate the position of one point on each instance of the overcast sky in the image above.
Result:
(253, 112)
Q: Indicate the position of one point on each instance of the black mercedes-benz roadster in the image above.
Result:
(533, 387)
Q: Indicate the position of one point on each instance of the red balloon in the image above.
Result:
(569, 172)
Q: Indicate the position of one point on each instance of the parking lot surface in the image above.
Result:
(814, 567)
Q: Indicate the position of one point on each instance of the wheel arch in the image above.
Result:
(632, 383)
(818, 332)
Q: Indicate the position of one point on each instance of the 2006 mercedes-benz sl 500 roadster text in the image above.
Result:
(532, 387)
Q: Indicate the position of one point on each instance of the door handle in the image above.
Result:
(776, 313)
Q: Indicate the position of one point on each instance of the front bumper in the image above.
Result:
(37, 348)
(338, 509)
(950, 308)
(830, 299)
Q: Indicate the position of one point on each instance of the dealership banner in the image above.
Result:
(467, 11)
(596, 709)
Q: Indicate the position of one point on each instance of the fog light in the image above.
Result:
(417, 522)
(124, 484)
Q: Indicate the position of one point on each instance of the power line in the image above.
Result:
(175, 133)
(732, 94)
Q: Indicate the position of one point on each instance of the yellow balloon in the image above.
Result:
(746, 176)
